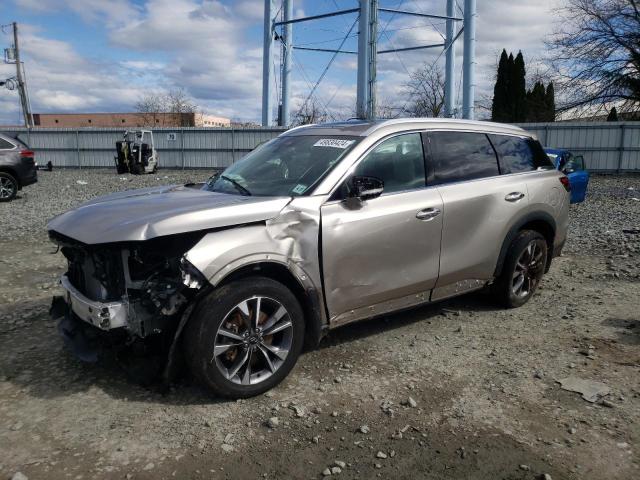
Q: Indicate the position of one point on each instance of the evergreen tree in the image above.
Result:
(499, 109)
(550, 102)
(536, 103)
(518, 90)
(613, 115)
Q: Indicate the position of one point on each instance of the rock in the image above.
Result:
(316, 439)
(298, 409)
(591, 390)
(149, 466)
(336, 470)
(228, 438)
(334, 414)
(19, 476)
(273, 422)
(227, 448)
(340, 464)
(207, 423)
(364, 429)
(546, 476)
(572, 431)
(381, 454)
(526, 468)
(326, 472)
(411, 402)
(608, 403)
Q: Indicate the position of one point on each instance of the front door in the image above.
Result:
(383, 252)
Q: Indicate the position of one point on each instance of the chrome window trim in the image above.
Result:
(15, 147)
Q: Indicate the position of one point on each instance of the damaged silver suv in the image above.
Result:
(322, 226)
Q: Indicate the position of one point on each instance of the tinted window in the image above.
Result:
(520, 154)
(5, 145)
(459, 156)
(398, 162)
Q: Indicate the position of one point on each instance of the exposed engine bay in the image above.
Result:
(134, 292)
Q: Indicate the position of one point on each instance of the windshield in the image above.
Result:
(284, 166)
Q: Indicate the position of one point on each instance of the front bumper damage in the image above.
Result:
(104, 315)
(128, 302)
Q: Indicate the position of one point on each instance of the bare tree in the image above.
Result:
(385, 109)
(310, 112)
(596, 52)
(426, 92)
(154, 107)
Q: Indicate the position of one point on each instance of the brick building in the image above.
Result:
(74, 120)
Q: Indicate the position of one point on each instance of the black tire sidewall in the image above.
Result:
(515, 250)
(15, 186)
(208, 315)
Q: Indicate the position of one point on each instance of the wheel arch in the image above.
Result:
(541, 222)
(308, 296)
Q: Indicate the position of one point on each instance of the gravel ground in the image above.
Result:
(459, 389)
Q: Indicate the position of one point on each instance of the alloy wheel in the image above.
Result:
(253, 340)
(7, 188)
(528, 269)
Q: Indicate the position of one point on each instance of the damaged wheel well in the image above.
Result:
(309, 300)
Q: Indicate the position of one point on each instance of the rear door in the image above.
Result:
(383, 254)
(479, 204)
(575, 170)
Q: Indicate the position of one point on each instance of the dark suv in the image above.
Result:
(17, 167)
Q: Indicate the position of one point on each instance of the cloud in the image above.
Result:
(213, 49)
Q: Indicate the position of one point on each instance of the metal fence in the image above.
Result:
(177, 147)
(606, 146)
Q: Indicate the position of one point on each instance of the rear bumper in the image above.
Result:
(29, 179)
(104, 315)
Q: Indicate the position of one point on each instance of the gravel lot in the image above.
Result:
(459, 389)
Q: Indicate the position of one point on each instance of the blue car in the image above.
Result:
(573, 167)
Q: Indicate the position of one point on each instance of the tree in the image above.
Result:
(537, 103)
(310, 112)
(518, 90)
(499, 108)
(596, 52)
(154, 106)
(550, 102)
(613, 115)
(426, 92)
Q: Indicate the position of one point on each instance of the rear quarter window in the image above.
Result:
(460, 156)
(519, 154)
(5, 144)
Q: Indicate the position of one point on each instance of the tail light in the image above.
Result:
(565, 183)
(27, 154)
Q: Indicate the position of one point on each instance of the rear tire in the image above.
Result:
(523, 269)
(230, 350)
(8, 187)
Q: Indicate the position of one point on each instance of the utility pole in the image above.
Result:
(469, 60)
(28, 120)
(267, 62)
(287, 38)
(450, 63)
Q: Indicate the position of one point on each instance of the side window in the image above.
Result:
(519, 154)
(5, 145)
(398, 162)
(460, 156)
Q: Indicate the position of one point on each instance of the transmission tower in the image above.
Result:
(368, 12)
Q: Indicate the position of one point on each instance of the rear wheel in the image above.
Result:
(245, 337)
(8, 187)
(523, 269)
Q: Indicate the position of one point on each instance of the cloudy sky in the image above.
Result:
(104, 55)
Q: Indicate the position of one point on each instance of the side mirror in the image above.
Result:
(212, 179)
(365, 188)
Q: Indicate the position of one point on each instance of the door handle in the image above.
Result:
(514, 196)
(428, 214)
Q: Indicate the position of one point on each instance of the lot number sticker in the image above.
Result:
(333, 143)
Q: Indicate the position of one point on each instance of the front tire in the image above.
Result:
(245, 337)
(8, 187)
(523, 269)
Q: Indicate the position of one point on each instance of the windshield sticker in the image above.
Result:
(299, 189)
(333, 143)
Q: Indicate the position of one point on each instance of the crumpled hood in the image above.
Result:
(157, 211)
